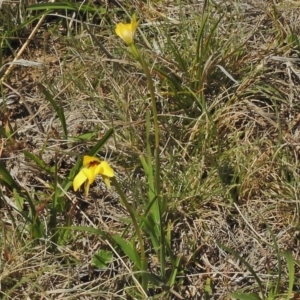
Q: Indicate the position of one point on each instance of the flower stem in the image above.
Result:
(144, 65)
(130, 210)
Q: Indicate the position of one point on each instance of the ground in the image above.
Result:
(219, 217)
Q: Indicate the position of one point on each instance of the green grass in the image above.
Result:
(200, 124)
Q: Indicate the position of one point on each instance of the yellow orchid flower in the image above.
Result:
(126, 31)
(92, 166)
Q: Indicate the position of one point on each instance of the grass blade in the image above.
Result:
(39, 162)
(291, 269)
(67, 5)
(58, 109)
(101, 143)
(52, 6)
(246, 264)
(129, 250)
(91, 230)
(6, 177)
(278, 283)
(242, 296)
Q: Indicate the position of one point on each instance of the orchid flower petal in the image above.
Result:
(90, 174)
(86, 188)
(105, 169)
(126, 31)
(79, 179)
(106, 181)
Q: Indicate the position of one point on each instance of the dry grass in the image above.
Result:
(229, 150)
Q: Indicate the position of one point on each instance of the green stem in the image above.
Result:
(155, 193)
(144, 65)
(130, 210)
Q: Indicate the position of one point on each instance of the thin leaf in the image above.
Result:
(149, 227)
(242, 296)
(144, 164)
(52, 6)
(6, 177)
(276, 291)
(101, 143)
(248, 266)
(150, 175)
(29, 21)
(175, 270)
(88, 136)
(58, 108)
(66, 6)
(91, 230)
(19, 200)
(291, 268)
(177, 55)
(39, 162)
(128, 249)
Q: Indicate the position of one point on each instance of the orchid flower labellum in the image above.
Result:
(92, 166)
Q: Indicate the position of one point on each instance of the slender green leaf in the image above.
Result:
(53, 6)
(6, 177)
(150, 175)
(277, 288)
(149, 227)
(68, 181)
(291, 269)
(66, 5)
(75, 169)
(39, 162)
(175, 269)
(88, 136)
(58, 108)
(101, 143)
(128, 249)
(151, 191)
(162, 252)
(242, 296)
(91, 230)
(182, 63)
(144, 164)
(19, 200)
(248, 266)
(200, 38)
(56, 208)
(30, 20)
